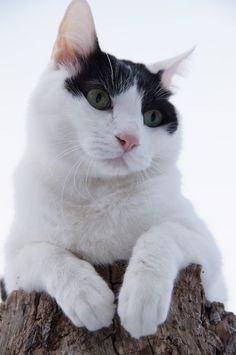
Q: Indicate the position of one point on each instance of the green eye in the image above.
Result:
(99, 99)
(152, 118)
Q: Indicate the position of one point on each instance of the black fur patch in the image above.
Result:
(96, 72)
(3, 291)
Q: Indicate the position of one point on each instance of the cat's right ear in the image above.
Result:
(170, 67)
(76, 36)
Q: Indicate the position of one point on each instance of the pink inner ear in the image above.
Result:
(76, 35)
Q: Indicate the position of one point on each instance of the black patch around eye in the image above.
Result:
(103, 71)
(159, 101)
(115, 76)
(156, 97)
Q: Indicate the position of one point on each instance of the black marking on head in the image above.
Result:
(101, 70)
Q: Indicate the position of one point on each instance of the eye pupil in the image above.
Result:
(98, 98)
(153, 116)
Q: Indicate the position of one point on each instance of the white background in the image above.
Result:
(143, 31)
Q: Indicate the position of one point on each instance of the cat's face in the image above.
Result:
(124, 119)
(116, 112)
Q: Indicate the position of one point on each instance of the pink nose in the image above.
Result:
(128, 141)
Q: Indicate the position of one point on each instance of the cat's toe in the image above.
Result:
(143, 306)
(89, 305)
(95, 316)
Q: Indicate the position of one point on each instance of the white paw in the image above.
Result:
(88, 302)
(144, 302)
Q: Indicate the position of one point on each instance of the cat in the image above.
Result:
(99, 182)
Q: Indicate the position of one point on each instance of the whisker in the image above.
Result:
(64, 153)
(63, 188)
(112, 72)
(75, 183)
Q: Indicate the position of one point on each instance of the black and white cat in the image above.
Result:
(98, 182)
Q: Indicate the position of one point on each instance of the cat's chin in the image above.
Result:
(113, 167)
(117, 167)
(116, 163)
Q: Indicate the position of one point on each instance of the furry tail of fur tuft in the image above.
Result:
(3, 292)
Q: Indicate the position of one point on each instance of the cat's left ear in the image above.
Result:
(76, 36)
(170, 67)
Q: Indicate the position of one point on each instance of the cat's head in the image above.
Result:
(115, 115)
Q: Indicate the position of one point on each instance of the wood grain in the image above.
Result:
(34, 324)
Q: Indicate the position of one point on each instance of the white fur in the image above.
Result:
(80, 202)
(170, 67)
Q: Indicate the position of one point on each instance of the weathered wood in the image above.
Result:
(34, 324)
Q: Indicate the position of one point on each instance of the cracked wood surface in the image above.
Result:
(34, 324)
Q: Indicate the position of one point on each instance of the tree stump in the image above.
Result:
(34, 324)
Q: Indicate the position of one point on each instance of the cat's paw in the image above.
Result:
(144, 302)
(88, 302)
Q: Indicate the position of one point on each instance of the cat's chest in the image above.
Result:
(106, 229)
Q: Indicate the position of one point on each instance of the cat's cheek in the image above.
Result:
(164, 146)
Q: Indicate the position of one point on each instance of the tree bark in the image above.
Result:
(34, 324)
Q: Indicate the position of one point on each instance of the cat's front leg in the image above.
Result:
(158, 256)
(81, 293)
